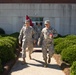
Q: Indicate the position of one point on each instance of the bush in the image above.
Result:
(3, 35)
(71, 37)
(11, 42)
(73, 69)
(58, 40)
(2, 31)
(0, 36)
(6, 51)
(64, 44)
(15, 35)
(59, 35)
(0, 66)
(69, 54)
(7, 47)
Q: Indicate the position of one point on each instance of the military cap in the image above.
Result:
(47, 21)
(27, 20)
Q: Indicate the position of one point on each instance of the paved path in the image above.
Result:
(35, 66)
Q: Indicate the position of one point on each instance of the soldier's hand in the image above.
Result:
(38, 43)
(19, 43)
(51, 35)
(34, 41)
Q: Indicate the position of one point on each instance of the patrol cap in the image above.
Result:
(46, 22)
(27, 20)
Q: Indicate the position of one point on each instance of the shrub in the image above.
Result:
(59, 35)
(71, 37)
(69, 54)
(11, 42)
(15, 35)
(0, 66)
(64, 45)
(6, 51)
(3, 35)
(0, 36)
(2, 31)
(73, 69)
(7, 47)
(58, 40)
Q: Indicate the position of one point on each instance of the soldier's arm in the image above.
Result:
(34, 34)
(20, 35)
(41, 38)
(55, 34)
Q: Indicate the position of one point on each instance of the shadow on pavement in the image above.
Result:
(38, 65)
(54, 66)
(19, 66)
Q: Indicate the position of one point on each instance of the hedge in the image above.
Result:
(3, 35)
(7, 47)
(69, 54)
(6, 51)
(1, 66)
(8, 44)
(71, 37)
(63, 38)
(63, 45)
(73, 69)
(12, 41)
(0, 36)
(2, 31)
(58, 40)
(15, 35)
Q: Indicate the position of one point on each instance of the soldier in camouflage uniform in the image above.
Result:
(38, 29)
(47, 35)
(26, 36)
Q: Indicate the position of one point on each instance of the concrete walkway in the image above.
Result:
(35, 66)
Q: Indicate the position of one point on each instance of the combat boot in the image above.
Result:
(45, 63)
(30, 56)
(49, 59)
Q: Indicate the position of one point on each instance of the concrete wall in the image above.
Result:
(62, 16)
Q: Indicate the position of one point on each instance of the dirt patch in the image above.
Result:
(64, 66)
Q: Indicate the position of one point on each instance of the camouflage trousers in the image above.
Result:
(50, 50)
(27, 45)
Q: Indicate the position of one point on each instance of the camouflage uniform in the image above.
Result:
(47, 42)
(26, 36)
(38, 30)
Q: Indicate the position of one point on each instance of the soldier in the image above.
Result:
(38, 28)
(26, 36)
(47, 35)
